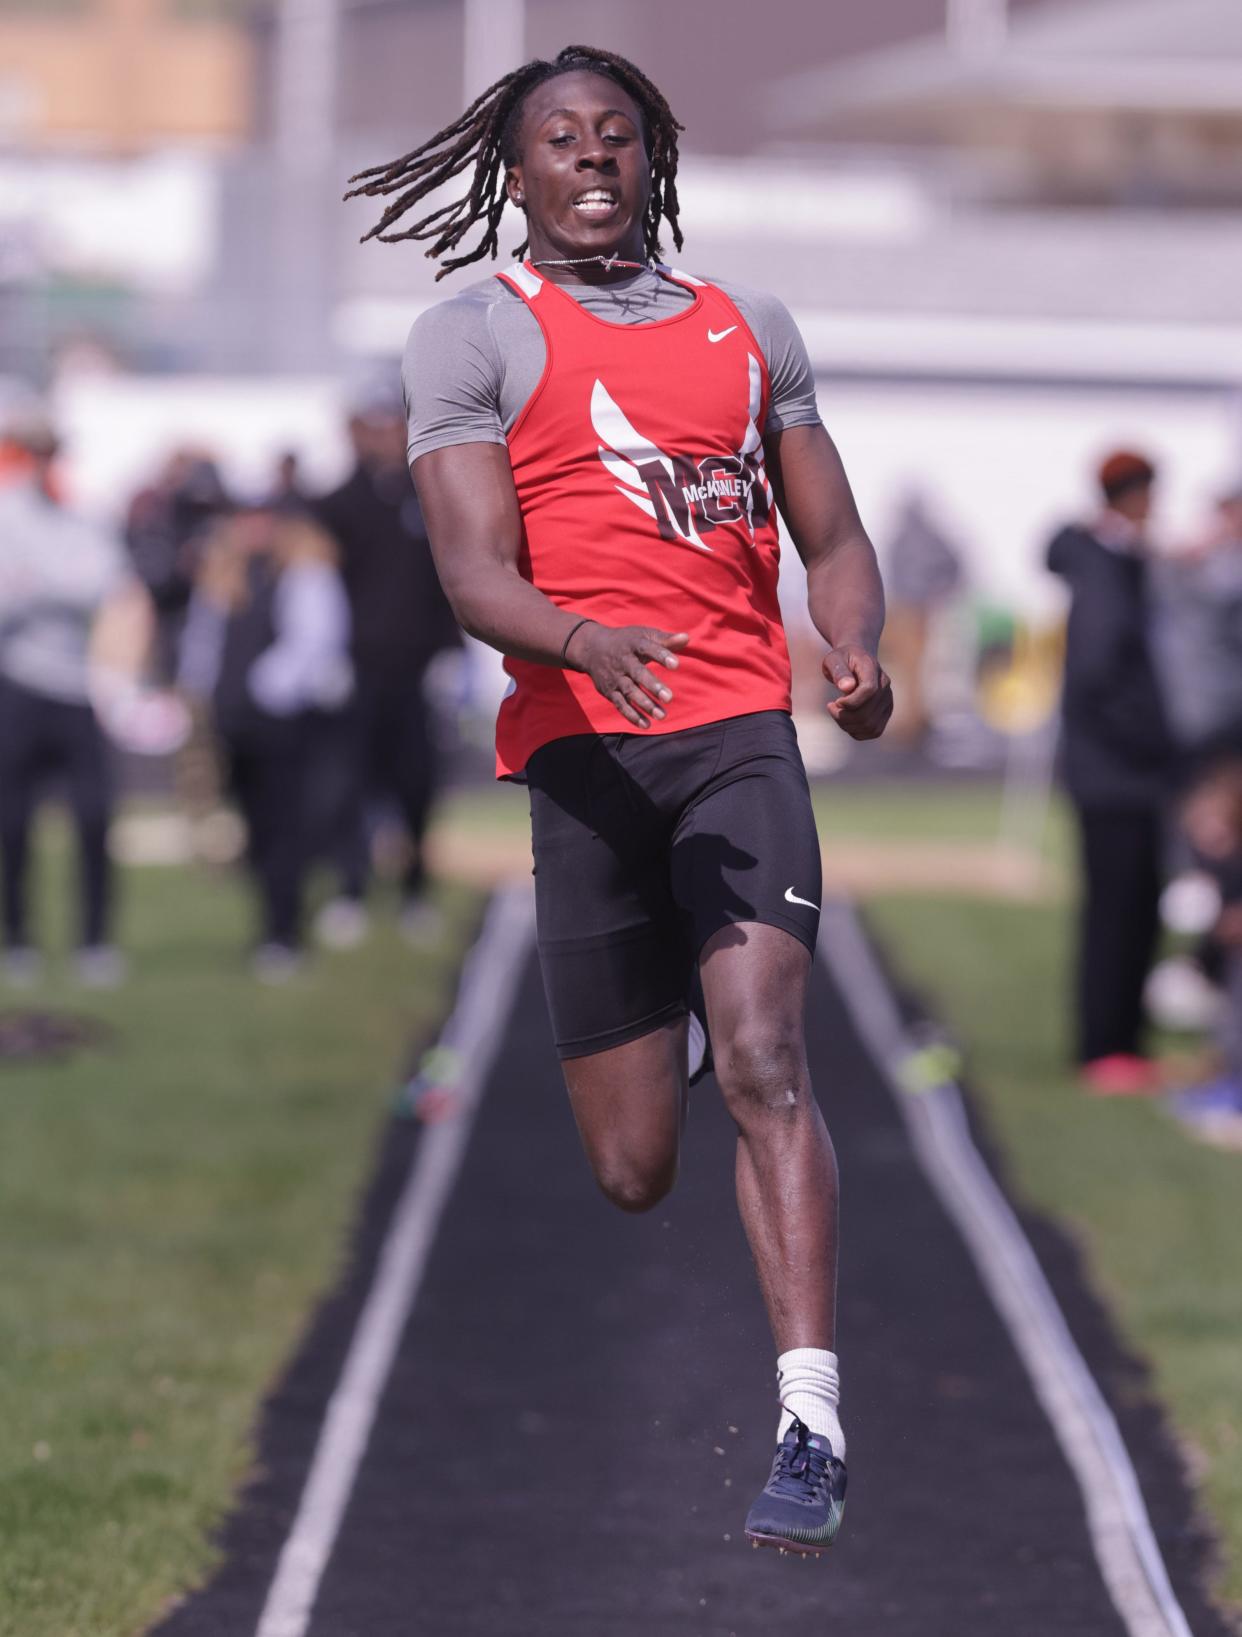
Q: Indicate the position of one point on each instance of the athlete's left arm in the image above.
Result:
(844, 593)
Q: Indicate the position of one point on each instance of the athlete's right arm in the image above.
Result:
(471, 511)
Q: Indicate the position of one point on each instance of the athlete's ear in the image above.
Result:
(514, 187)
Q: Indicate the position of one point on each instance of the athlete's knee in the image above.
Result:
(761, 1070)
(632, 1187)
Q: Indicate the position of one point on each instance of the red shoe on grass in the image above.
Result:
(1122, 1074)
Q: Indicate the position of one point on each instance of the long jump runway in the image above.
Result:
(578, 1407)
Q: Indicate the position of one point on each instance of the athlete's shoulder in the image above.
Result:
(761, 306)
(457, 360)
(463, 314)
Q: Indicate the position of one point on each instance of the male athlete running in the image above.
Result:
(599, 444)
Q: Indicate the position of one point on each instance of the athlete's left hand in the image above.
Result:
(866, 701)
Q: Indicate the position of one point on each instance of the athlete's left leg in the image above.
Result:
(754, 982)
(746, 873)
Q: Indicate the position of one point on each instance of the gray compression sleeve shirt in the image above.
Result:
(472, 362)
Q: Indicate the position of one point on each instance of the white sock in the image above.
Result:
(810, 1388)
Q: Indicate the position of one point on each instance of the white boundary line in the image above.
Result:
(1121, 1533)
(484, 1001)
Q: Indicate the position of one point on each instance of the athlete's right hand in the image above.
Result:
(616, 657)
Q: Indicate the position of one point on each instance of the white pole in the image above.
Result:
(494, 35)
(304, 82)
(304, 167)
(977, 28)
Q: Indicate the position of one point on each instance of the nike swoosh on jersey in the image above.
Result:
(719, 335)
(793, 898)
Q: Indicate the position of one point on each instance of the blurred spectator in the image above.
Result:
(164, 529)
(401, 620)
(922, 571)
(1118, 757)
(267, 640)
(1212, 818)
(1202, 594)
(63, 582)
(288, 493)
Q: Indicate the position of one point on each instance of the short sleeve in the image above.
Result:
(451, 375)
(792, 401)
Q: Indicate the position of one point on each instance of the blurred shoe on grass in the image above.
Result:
(342, 923)
(1122, 1074)
(22, 967)
(1211, 1112)
(100, 966)
(275, 963)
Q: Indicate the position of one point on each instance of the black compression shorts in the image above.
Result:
(646, 847)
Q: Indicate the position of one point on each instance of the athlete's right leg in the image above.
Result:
(630, 1105)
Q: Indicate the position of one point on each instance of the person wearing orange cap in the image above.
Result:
(1118, 758)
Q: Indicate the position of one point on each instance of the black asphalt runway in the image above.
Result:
(583, 1409)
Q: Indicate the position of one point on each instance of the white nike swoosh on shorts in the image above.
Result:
(719, 335)
(793, 898)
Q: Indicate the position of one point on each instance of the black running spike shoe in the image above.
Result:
(803, 1502)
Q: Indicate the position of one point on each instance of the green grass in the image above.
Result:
(171, 1207)
(492, 809)
(1158, 1216)
(895, 811)
(901, 810)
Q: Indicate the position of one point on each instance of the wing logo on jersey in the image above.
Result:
(687, 496)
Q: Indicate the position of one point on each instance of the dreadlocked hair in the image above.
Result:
(485, 138)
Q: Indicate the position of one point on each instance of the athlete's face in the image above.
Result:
(583, 175)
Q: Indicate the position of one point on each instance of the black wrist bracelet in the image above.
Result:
(572, 634)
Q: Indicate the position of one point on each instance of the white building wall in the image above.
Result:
(1004, 465)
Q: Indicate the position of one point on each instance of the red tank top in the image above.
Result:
(638, 463)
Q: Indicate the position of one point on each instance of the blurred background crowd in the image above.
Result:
(265, 652)
(1007, 230)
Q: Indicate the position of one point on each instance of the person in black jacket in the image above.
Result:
(401, 620)
(266, 642)
(1118, 760)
